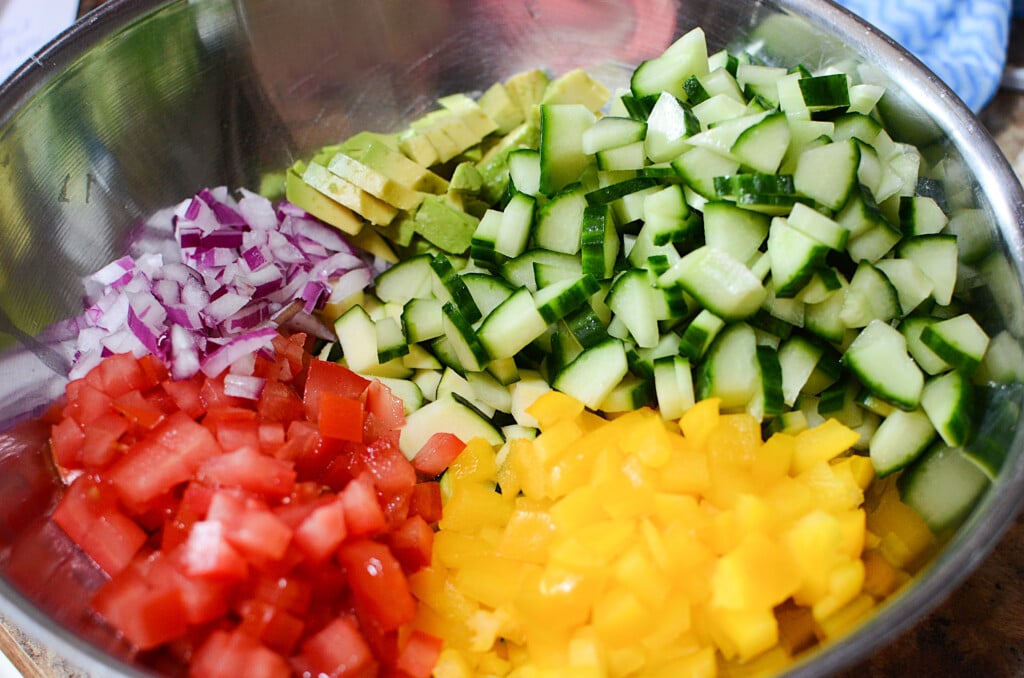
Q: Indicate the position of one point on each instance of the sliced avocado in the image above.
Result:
(370, 240)
(401, 230)
(342, 191)
(418, 148)
(390, 162)
(527, 90)
(302, 195)
(375, 183)
(361, 141)
(470, 112)
(443, 225)
(466, 178)
(501, 108)
(493, 166)
(577, 87)
(272, 185)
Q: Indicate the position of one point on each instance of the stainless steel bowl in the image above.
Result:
(147, 101)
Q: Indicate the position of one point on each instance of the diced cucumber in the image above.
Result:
(470, 352)
(406, 390)
(524, 170)
(911, 328)
(631, 393)
(516, 225)
(560, 221)
(818, 226)
(999, 409)
(613, 132)
(900, 439)
(828, 173)
(942, 486)
(667, 72)
(798, 356)
(446, 414)
(673, 386)
(698, 167)
(699, 334)
(558, 299)
(948, 400)
(959, 341)
(762, 146)
(921, 215)
(421, 320)
(824, 92)
(870, 296)
(391, 340)
(726, 371)
(449, 287)
(937, 256)
(592, 376)
(519, 271)
(794, 257)
(511, 326)
(483, 246)
(486, 290)
(562, 159)
(719, 282)
(631, 298)
(734, 230)
(768, 400)
(878, 356)
(357, 335)
(911, 284)
(599, 242)
(408, 279)
(669, 125)
(453, 383)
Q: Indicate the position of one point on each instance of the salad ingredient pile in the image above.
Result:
(676, 379)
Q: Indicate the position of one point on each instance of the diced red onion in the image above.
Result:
(220, 294)
(243, 386)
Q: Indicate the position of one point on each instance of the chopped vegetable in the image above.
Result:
(255, 535)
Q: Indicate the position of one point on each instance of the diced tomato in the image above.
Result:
(378, 583)
(322, 531)
(419, 654)
(393, 476)
(202, 600)
(147, 616)
(153, 369)
(121, 373)
(230, 654)
(294, 350)
(363, 514)
(276, 628)
(340, 417)
(301, 441)
(323, 376)
(207, 553)
(66, 440)
(212, 394)
(388, 412)
(86, 402)
(250, 470)
(426, 501)
(142, 412)
(99, 447)
(289, 593)
(250, 526)
(339, 650)
(89, 514)
(186, 395)
(237, 434)
(272, 437)
(412, 543)
(438, 453)
(279, 402)
(171, 455)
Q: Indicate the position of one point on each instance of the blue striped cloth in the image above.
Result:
(962, 41)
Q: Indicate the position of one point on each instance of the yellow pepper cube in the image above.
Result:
(556, 440)
(554, 407)
(674, 622)
(473, 506)
(557, 597)
(848, 617)
(744, 634)
(477, 462)
(880, 577)
(630, 492)
(525, 462)
(773, 459)
(620, 618)
(859, 467)
(527, 535)
(594, 545)
(451, 549)
(577, 509)
(759, 573)
(490, 580)
(904, 537)
(637, 571)
(686, 470)
(854, 529)
(815, 542)
(698, 421)
(452, 664)
(586, 649)
(822, 443)
(845, 582)
(832, 491)
(789, 500)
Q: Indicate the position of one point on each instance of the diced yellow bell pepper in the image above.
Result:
(557, 597)
(816, 544)
(594, 545)
(473, 506)
(744, 634)
(773, 460)
(554, 407)
(832, 491)
(845, 583)
(759, 573)
(686, 471)
(452, 548)
(528, 533)
(452, 664)
(490, 580)
(848, 617)
(637, 572)
(698, 421)
(475, 463)
(822, 443)
(577, 509)
(701, 663)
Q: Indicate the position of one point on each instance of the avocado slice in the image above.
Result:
(342, 191)
(375, 183)
(302, 195)
(444, 225)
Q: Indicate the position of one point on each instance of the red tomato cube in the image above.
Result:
(378, 583)
(438, 453)
(339, 650)
(322, 531)
(419, 655)
(232, 654)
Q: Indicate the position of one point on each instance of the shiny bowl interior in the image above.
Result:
(147, 101)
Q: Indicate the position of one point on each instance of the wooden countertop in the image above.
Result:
(977, 631)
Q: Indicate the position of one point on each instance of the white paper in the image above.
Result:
(7, 669)
(27, 25)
